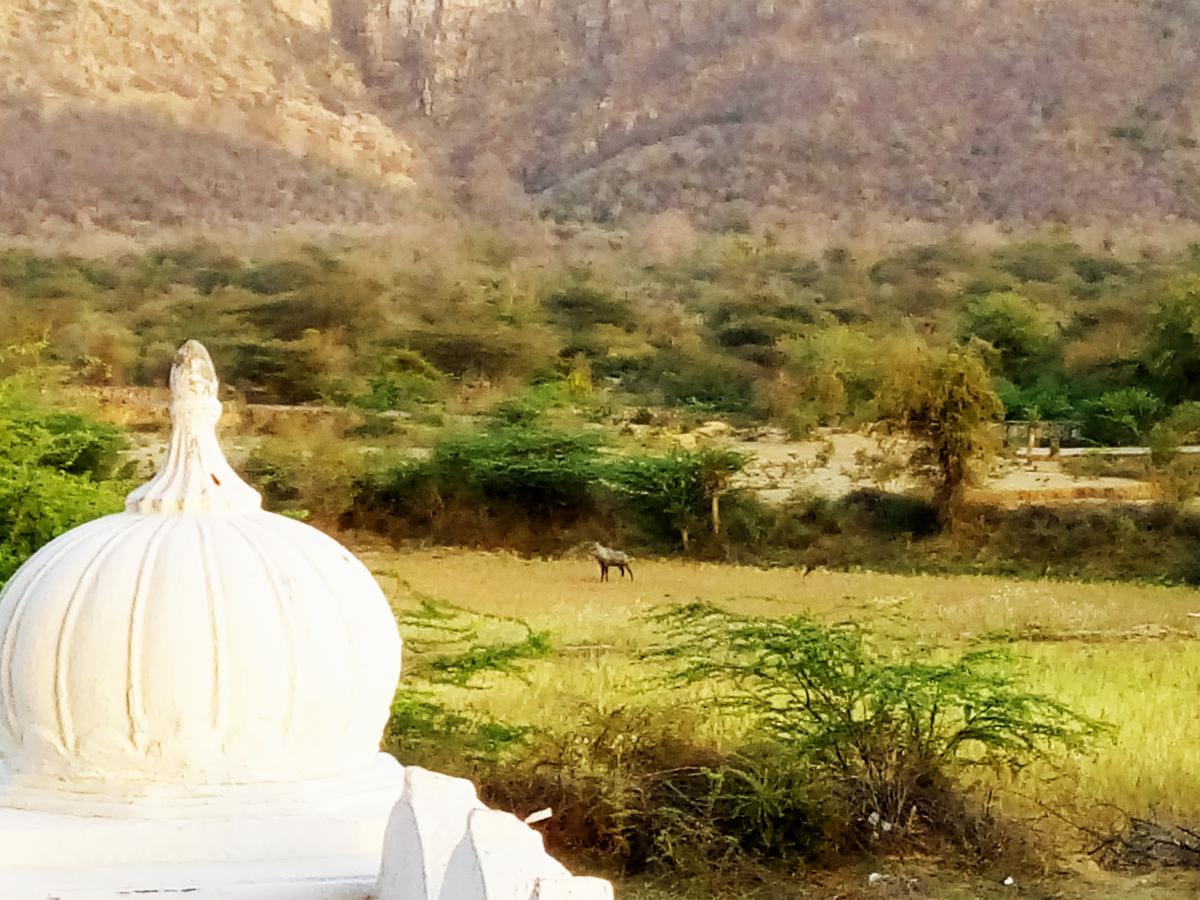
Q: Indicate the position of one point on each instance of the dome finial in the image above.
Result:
(192, 374)
(196, 477)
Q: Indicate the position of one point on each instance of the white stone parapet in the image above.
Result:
(442, 843)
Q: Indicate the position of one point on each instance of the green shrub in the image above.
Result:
(1121, 417)
(581, 306)
(528, 407)
(506, 476)
(447, 646)
(53, 471)
(1037, 261)
(274, 371)
(671, 496)
(1181, 426)
(539, 471)
(1046, 398)
(399, 391)
(701, 379)
(310, 468)
(1178, 480)
(278, 277)
(886, 733)
(638, 787)
(640, 790)
(748, 334)
(1021, 335)
(1172, 349)
(462, 353)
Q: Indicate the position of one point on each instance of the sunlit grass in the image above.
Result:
(1145, 686)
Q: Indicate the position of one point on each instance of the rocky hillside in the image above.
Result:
(1019, 111)
(942, 110)
(114, 112)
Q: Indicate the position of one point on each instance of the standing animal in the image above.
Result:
(608, 557)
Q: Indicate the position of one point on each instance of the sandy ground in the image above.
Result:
(837, 463)
(832, 464)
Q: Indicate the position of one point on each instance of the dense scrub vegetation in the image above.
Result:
(495, 401)
(648, 502)
(533, 489)
(501, 387)
(815, 741)
(743, 326)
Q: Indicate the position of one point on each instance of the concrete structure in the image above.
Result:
(191, 698)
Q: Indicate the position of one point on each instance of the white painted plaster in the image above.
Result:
(191, 642)
(194, 690)
(191, 698)
(426, 826)
(443, 844)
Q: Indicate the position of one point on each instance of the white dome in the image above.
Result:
(193, 641)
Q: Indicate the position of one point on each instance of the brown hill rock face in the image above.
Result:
(187, 111)
(938, 110)
(280, 111)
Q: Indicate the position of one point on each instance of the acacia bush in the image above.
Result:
(836, 744)
(673, 496)
(885, 733)
(478, 487)
(633, 788)
(306, 469)
(1121, 417)
(641, 790)
(946, 402)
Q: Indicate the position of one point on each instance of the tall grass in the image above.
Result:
(1123, 653)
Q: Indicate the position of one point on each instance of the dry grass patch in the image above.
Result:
(1145, 688)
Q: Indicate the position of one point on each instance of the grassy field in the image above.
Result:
(1123, 653)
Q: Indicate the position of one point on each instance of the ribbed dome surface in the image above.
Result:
(194, 640)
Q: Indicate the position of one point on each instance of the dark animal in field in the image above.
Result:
(610, 558)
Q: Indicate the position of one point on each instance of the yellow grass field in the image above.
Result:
(1126, 654)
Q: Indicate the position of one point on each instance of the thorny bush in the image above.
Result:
(886, 732)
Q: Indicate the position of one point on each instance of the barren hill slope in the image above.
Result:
(274, 111)
(174, 111)
(940, 110)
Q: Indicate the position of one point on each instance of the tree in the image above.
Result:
(947, 403)
(1017, 331)
(1121, 417)
(1173, 348)
(670, 493)
(718, 467)
(1180, 427)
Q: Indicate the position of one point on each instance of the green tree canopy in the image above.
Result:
(1173, 347)
(947, 402)
(1021, 335)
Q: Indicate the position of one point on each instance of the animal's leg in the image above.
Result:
(603, 572)
(630, 568)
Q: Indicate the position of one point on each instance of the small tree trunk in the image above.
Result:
(687, 538)
(716, 513)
